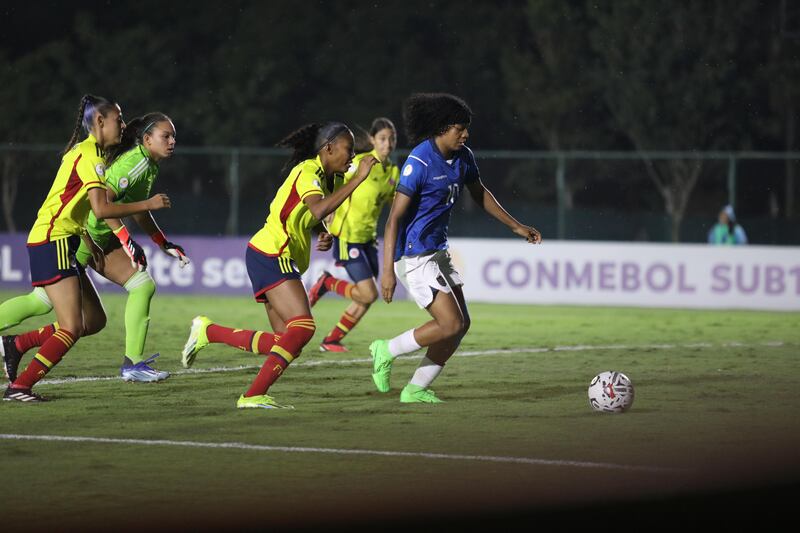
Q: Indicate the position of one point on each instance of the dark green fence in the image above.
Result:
(619, 196)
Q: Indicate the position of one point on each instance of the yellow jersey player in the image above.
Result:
(279, 253)
(133, 166)
(79, 187)
(354, 229)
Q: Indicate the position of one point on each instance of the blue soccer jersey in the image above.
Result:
(434, 185)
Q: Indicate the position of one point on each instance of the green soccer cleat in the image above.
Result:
(197, 340)
(416, 394)
(262, 401)
(381, 364)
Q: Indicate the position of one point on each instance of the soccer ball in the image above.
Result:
(611, 392)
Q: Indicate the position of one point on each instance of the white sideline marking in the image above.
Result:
(338, 451)
(516, 351)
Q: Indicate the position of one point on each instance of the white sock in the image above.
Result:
(403, 343)
(426, 372)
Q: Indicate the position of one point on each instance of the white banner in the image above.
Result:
(629, 274)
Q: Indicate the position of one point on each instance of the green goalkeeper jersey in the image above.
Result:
(131, 177)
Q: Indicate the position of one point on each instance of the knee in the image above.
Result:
(95, 324)
(452, 327)
(365, 295)
(301, 329)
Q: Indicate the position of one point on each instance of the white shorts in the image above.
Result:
(423, 275)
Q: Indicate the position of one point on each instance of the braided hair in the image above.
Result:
(306, 141)
(89, 108)
(430, 114)
(134, 133)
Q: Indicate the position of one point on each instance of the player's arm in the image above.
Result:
(321, 206)
(134, 252)
(104, 209)
(399, 208)
(489, 203)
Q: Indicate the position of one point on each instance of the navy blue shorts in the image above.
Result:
(268, 272)
(54, 261)
(361, 262)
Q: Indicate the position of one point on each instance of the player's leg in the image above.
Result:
(430, 281)
(362, 267)
(13, 312)
(65, 295)
(52, 266)
(438, 353)
(288, 301)
(140, 288)
(16, 310)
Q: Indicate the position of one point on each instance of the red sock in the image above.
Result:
(243, 339)
(339, 286)
(26, 341)
(48, 356)
(346, 323)
(299, 331)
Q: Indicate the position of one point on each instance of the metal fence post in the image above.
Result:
(232, 226)
(732, 180)
(561, 195)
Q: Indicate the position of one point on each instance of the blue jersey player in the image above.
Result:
(436, 172)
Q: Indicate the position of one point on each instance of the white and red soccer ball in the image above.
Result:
(611, 392)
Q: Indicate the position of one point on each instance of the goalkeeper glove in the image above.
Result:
(132, 249)
(175, 250)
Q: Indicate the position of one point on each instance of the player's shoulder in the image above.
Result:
(89, 158)
(309, 168)
(418, 161)
(130, 165)
(89, 150)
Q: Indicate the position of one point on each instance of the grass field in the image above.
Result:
(715, 411)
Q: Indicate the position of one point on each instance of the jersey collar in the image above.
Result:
(435, 150)
(145, 152)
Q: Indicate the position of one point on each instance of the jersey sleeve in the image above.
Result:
(412, 176)
(471, 172)
(309, 184)
(92, 172)
(125, 172)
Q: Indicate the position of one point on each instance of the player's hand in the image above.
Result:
(176, 251)
(158, 201)
(529, 233)
(136, 254)
(364, 166)
(324, 242)
(388, 284)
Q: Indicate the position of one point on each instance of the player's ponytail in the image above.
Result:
(134, 133)
(429, 114)
(88, 109)
(306, 141)
(362, 143)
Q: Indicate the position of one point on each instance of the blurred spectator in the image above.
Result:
(727, 231)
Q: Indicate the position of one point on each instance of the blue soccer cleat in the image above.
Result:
(142, 372)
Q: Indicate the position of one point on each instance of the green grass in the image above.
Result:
(715, 408)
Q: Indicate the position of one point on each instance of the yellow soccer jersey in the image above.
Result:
(66, 208)
(287, 231)
(356, 220)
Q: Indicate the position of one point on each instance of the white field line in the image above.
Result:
(517, 351)
(337, 451)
